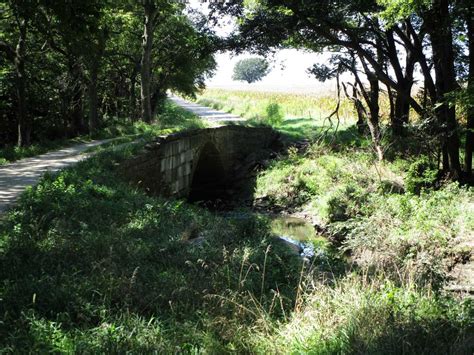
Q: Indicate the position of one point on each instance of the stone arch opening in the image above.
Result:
(208, 181)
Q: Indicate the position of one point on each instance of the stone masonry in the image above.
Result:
(166, 166)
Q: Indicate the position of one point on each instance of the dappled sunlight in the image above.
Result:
(100, 247)
(143, 212)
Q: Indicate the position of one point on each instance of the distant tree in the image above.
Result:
(251, 70)
(389, 40)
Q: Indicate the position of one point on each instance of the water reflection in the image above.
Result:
(298, 234)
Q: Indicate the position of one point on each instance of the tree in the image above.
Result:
(388, 39)
(20, 12)
(69, 68)
(468, 10)
(151, 12)
(251, 70)
(172, 68)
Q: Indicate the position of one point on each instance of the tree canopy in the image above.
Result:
(387, 46)
(250, 70)
(67, 68)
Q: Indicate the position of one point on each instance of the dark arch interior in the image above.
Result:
(209, 176)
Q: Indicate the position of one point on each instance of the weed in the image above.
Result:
(90, 264)
(422, 174)
(274, 115)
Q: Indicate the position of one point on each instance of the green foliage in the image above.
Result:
(330, 183)
(174, 70)
(412, 236)
(361, 203)
(422, 174)
(396, 10)
(251, 70)
(310, 109)
(89, 263)
(172, 118)
(274, 115)
(84, 57)
(95, 265)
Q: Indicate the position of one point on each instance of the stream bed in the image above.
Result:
(296, 233)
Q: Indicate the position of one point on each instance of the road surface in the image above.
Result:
(16, 176)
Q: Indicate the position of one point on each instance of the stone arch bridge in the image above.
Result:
(181, 164)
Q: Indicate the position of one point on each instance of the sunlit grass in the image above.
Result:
(253, 104)
(171, 119)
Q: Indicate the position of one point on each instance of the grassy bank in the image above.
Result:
(172, 118)
(362, 204)
(91, 264)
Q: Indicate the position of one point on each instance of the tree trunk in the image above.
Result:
(401, 107)
(157, 101)
(372, 100)
(470, 88)
(132, 95)
(374, 112)
(77, 112)
(439, 28)
(361, 113)
(359, 106)
(147, 45)
(391, 101)
(20, 52)
(93, 99)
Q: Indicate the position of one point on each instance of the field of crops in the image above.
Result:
(253, 104)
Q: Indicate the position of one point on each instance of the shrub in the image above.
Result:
(274, 114)
(422, 174)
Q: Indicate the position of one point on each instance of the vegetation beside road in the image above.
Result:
(172, 118)
(89, 263)
(253, 104)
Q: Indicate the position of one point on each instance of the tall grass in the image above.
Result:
(91, 264)
(254, 104)
(357, 315)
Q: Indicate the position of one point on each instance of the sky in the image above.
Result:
(289, 67)
(289, 73)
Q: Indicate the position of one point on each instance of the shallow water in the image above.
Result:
(297, 228)
(298, 232)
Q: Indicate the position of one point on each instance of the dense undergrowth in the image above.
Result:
(91, 264)
(362, 204)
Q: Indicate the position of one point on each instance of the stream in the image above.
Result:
(227, 197)
(296, 233)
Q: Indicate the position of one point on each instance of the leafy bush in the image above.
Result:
(274, 115)
(422, 174)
